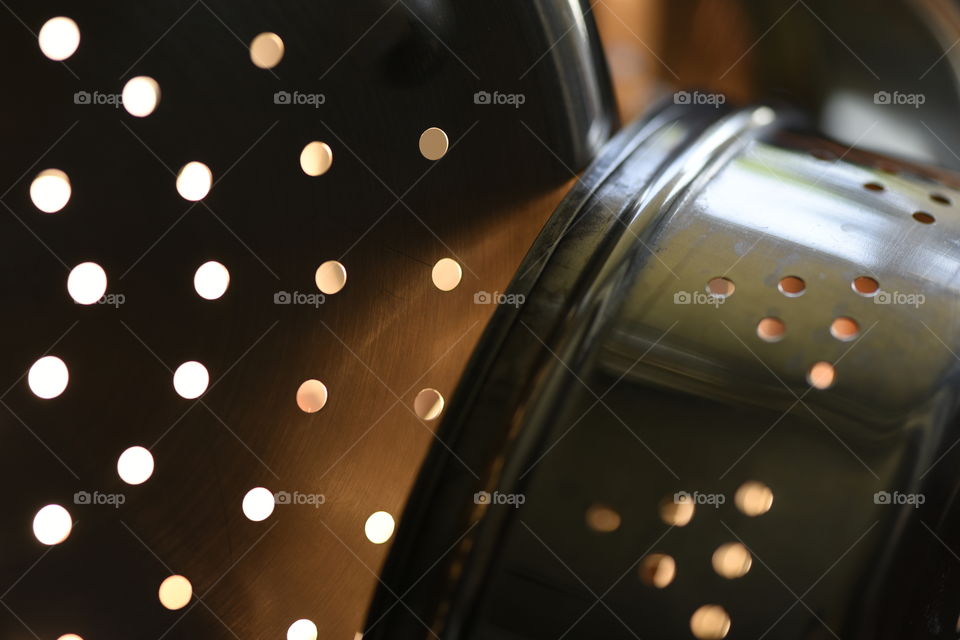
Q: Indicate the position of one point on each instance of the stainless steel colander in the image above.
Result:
(725, 409)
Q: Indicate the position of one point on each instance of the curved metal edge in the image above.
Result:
(431, 528)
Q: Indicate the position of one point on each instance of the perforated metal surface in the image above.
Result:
(367, 80)
(638, 408)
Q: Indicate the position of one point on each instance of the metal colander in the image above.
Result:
(726, 408)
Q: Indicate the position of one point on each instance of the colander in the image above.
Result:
(726, 407)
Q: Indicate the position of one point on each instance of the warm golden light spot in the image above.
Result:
(732, 560)
(710, 622)
(446, 274)
(865, 286)
(658, 570)
(266, 50)
(175, 592)
(844, 329)
(792, 286)
(602, 518)
(771, 329)
(312, 396)
(428, 404)
(434, 143)
(754, 498)
(677, 510)
(331, 277)
(821, 375)
(316, 158)
(721, 287)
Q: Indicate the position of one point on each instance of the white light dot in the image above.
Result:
(52, 524)
(379, 527)
(70, 636)
(447, 274)
(331, 277)
(312, 396)
(266, 50)
(434, 143)
(194, 181)
(191, 379)
(59, 38)
(87, 283)
(316, 158)
(50, 190)
(211, 280)
(175, 592)
(140, 96)
(428, 404)
(763, 116)
(135, 465)
(48, 377)
(258, 504)
(302, 630)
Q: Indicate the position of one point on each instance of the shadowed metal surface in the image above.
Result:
(628, 408)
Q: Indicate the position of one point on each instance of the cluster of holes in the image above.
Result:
(923, 217)
(771, 329)
(730, 560)
(50, 192)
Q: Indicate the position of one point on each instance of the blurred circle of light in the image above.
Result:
(87, 283)
(211, 280)
(50, 191)
(258, 504)
(59, 38)
(194, 181)
(191, 379)
(379, 527)
(140, 96)
(302, 630)
(175, 592)
(48, 377)
(135, 465)
(52, 524)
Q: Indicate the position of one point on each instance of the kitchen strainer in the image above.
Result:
(725, 409)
